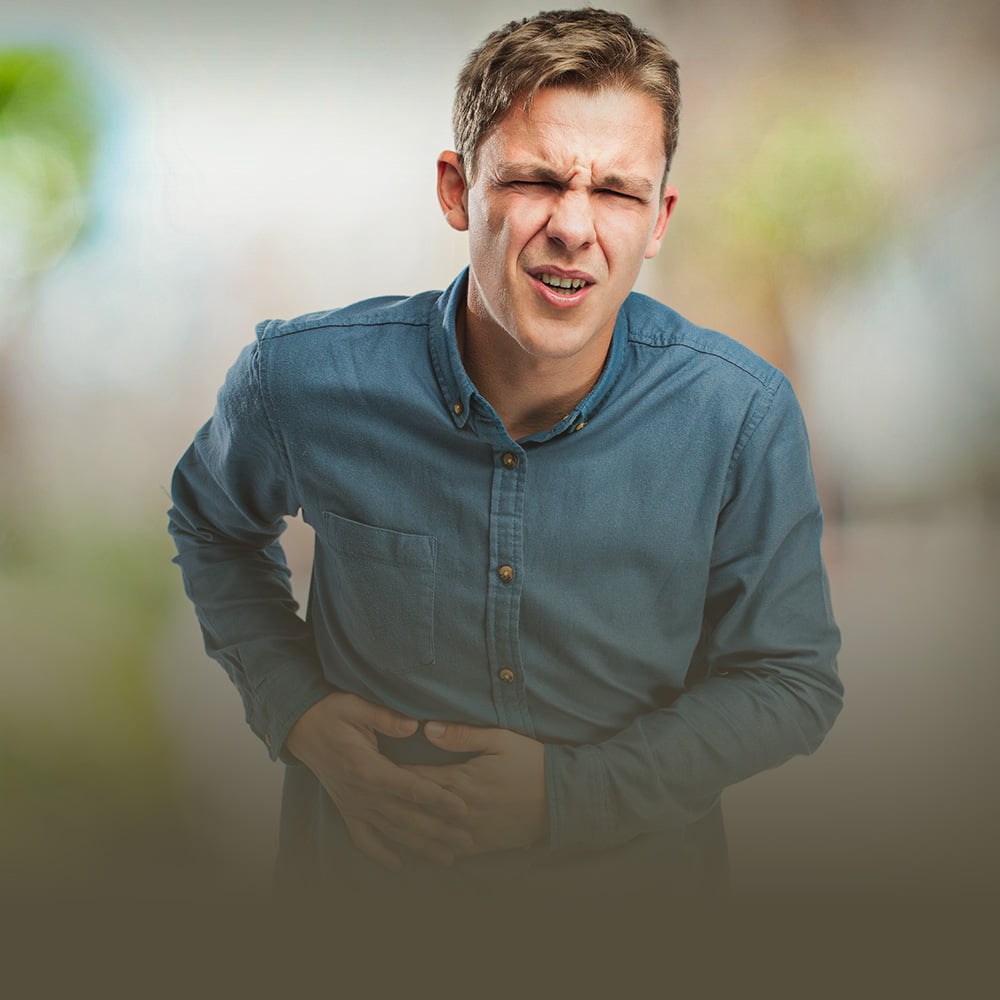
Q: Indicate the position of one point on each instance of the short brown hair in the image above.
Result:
(590, 49)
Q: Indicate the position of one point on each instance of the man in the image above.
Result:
(567, 583)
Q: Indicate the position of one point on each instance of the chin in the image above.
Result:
(553, 348)
(561, 343)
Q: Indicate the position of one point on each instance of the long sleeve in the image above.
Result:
(231, 491)
(763, 685)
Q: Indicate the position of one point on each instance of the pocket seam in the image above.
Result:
(353, 538)
(407, 552)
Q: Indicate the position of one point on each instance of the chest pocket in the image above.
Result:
(381, 587)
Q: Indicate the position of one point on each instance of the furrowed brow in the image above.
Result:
(529, 171)
(640, 187)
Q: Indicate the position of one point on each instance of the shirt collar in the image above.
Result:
(457, 389)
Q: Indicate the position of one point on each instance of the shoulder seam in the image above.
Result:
(768, 382)
(761, 410)
(267, 405)
(335, 326)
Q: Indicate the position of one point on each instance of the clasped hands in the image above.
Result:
(494, 801)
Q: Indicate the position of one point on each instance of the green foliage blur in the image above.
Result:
(780, 198)
(82, 762)
(805, 199)
(83, 593)
(49, 140)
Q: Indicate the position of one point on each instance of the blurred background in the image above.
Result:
(172, 173)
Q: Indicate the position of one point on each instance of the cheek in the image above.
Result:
(486, 227)
(625, 240)
(519, 223)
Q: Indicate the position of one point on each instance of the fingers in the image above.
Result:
(438, 844)
(342, 720)
(384, 720)
(438, 852)
(423, 828)
(459, 738)
(418, 791)
(441, 800)
(367, 841)
(401, 819)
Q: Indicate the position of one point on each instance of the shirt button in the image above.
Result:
(509, 460)
(580, 426)
(506, 675)
(267, 738)
(506, 573)
(458, 409)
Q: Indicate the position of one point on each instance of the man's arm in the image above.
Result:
(762, 688)
(231, 491)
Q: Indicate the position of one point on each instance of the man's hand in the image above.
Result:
(503, 787)
(335, 739)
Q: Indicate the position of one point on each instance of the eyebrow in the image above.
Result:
(627, 183)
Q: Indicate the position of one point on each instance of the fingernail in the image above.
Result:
(436, 729)
(403, 727)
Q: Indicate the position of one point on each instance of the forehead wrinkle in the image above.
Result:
(557, 138)
(533, 169)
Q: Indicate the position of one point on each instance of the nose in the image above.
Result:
(571, 223)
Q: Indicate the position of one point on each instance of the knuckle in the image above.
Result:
(366, 771)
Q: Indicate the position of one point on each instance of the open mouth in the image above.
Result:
(563, 286)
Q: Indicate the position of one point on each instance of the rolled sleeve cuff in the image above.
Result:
(275, 708)
(580, 809)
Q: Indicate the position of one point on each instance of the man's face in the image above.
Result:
(564, 206)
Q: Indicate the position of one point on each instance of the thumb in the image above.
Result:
(459, 738)
(389, 723)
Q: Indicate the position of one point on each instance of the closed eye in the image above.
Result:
(618, 194)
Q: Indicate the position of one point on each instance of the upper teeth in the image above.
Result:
(556, 282)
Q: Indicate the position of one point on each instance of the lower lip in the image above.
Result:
(558, 299)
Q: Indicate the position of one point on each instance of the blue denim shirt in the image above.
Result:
(639, 587)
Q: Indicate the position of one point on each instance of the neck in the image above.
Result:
(530, 394)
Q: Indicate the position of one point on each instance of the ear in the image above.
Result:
(660, 229)
(451, 190)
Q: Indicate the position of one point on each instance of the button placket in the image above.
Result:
(504, 588)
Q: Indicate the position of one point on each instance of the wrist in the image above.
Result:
(303, 734)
